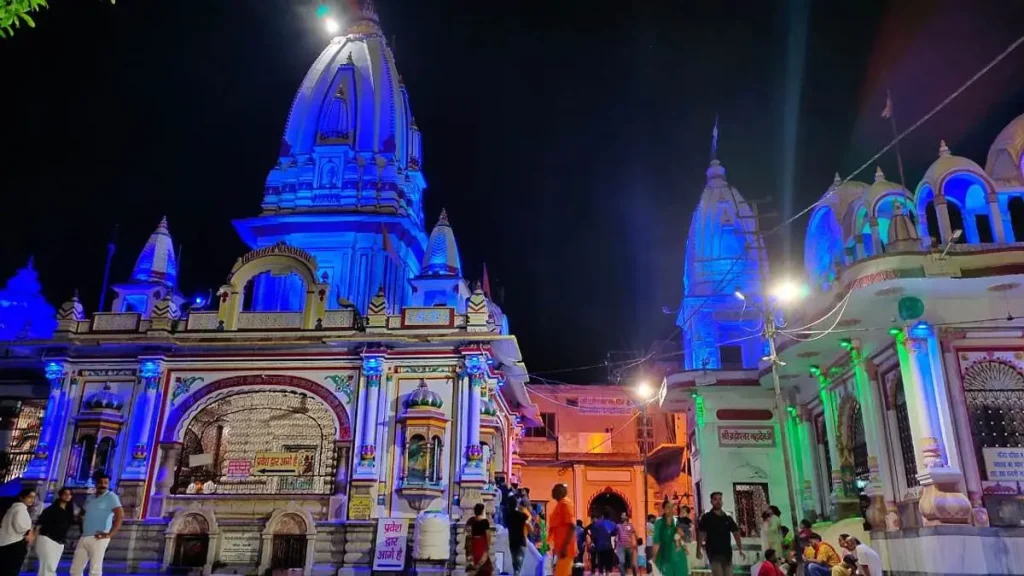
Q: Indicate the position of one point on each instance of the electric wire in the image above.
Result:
(901, 136)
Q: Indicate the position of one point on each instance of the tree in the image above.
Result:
(14, 13)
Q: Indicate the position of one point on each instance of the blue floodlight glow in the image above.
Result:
(54, 370)
(921, 330)
(149, 369)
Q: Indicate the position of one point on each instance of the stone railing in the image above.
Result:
(202, 321)
(269, 320)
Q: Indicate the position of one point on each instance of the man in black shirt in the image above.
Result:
(515, 521)
(714, 530)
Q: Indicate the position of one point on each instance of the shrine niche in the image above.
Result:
(423, 425)
(97, 429)
(259, 442)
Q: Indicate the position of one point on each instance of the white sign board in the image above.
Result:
(242, 549)
(1004, 463)
(389, 553)
(746, 436)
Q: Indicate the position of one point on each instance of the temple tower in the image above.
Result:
(347, 187)
(725, 261)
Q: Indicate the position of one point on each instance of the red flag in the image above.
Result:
(487, 282)
(887, 111)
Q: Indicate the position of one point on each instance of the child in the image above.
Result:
(641, 555)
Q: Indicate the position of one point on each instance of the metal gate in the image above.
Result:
(289, 551)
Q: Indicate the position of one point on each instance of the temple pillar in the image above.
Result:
(941, 501)
(476, 370)
(373, 369)
(337, 505)
(866, 379)
(942, 211)
(141, 431)
(968, 457)
(810, 486)
(876, 237)
(39, 467)
(996, 218)
(165, 473)
(838, 496)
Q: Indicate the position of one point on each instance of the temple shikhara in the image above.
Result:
(345, 372)
(347, 379)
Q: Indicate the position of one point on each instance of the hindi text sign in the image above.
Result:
(605, 405)
(240, 549)
(239, 468)
(389, 553)
(746, 436)
(1004, 463)
(276, 464)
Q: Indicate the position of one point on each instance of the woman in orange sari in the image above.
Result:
(562, 531)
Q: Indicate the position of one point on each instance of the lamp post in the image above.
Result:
(784, 293)
(645, 392)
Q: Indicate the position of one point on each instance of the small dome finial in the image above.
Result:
(879, 175)
(836, 181)
(943, 149)
(442, 220)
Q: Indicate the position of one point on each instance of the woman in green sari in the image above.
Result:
(669, 552)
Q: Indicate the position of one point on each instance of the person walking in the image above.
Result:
(669, 553)
(601, 532)
(562, 531)
(625, 540)
(516, 521)
(715, 529)
(101, 521)
(478, 528)
(16, 533)
(52, 532)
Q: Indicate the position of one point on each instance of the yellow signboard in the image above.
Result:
(276, 464)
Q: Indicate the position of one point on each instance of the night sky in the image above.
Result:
(567, 140)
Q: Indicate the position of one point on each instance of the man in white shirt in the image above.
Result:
(869, 563)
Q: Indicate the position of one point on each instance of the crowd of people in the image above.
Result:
(668, 544)
(99, 519)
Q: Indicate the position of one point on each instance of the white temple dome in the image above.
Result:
(882, 187)
(947, 164)
(1004, 157)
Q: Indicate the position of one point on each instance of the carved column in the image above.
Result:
(942, 211)
(140, 435)
(39, 467)
(876, 238)
(995, 217)
(165, 473)
(866, 379)
(969, 459)
(373, 368)
(810, 488)
(831, 423)
(928, 405)
(476, 367)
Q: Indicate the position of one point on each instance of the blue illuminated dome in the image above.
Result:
(157, 263)
(24, 313)
(347, 186)
(724, 256)
(442, 257)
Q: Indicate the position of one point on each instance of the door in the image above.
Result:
(751, 501)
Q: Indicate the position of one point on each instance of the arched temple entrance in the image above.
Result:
(611, 500)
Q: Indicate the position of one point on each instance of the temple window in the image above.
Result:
(645, 432)
(995, 395)
(268, 292)
(135, 303)
(435, 459)
(931, 217)
(956, 222)
(732, 356)
(860, 444)
(87, 453)
(905, 437)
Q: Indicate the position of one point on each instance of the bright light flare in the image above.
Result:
(788, 291)
(331, 25)
(739, 295)
(644, 391)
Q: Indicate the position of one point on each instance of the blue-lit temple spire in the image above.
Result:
(157, 263)
(724, 256)
(348, 170)
(442, 257)
(24, 313)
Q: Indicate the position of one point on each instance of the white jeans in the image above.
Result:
(49, 553)
(89, 550)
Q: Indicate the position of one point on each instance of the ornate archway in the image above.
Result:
(609, 498)
(178, 417)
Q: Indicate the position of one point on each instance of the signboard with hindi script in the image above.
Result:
(276, 464)
(389, 552)
(1004, 463)
(605, 405)
(746, 436)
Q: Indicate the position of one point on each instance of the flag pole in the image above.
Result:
(106, 270)
(888, 113)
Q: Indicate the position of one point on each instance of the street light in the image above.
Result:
(645, 393)
(331, 25)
